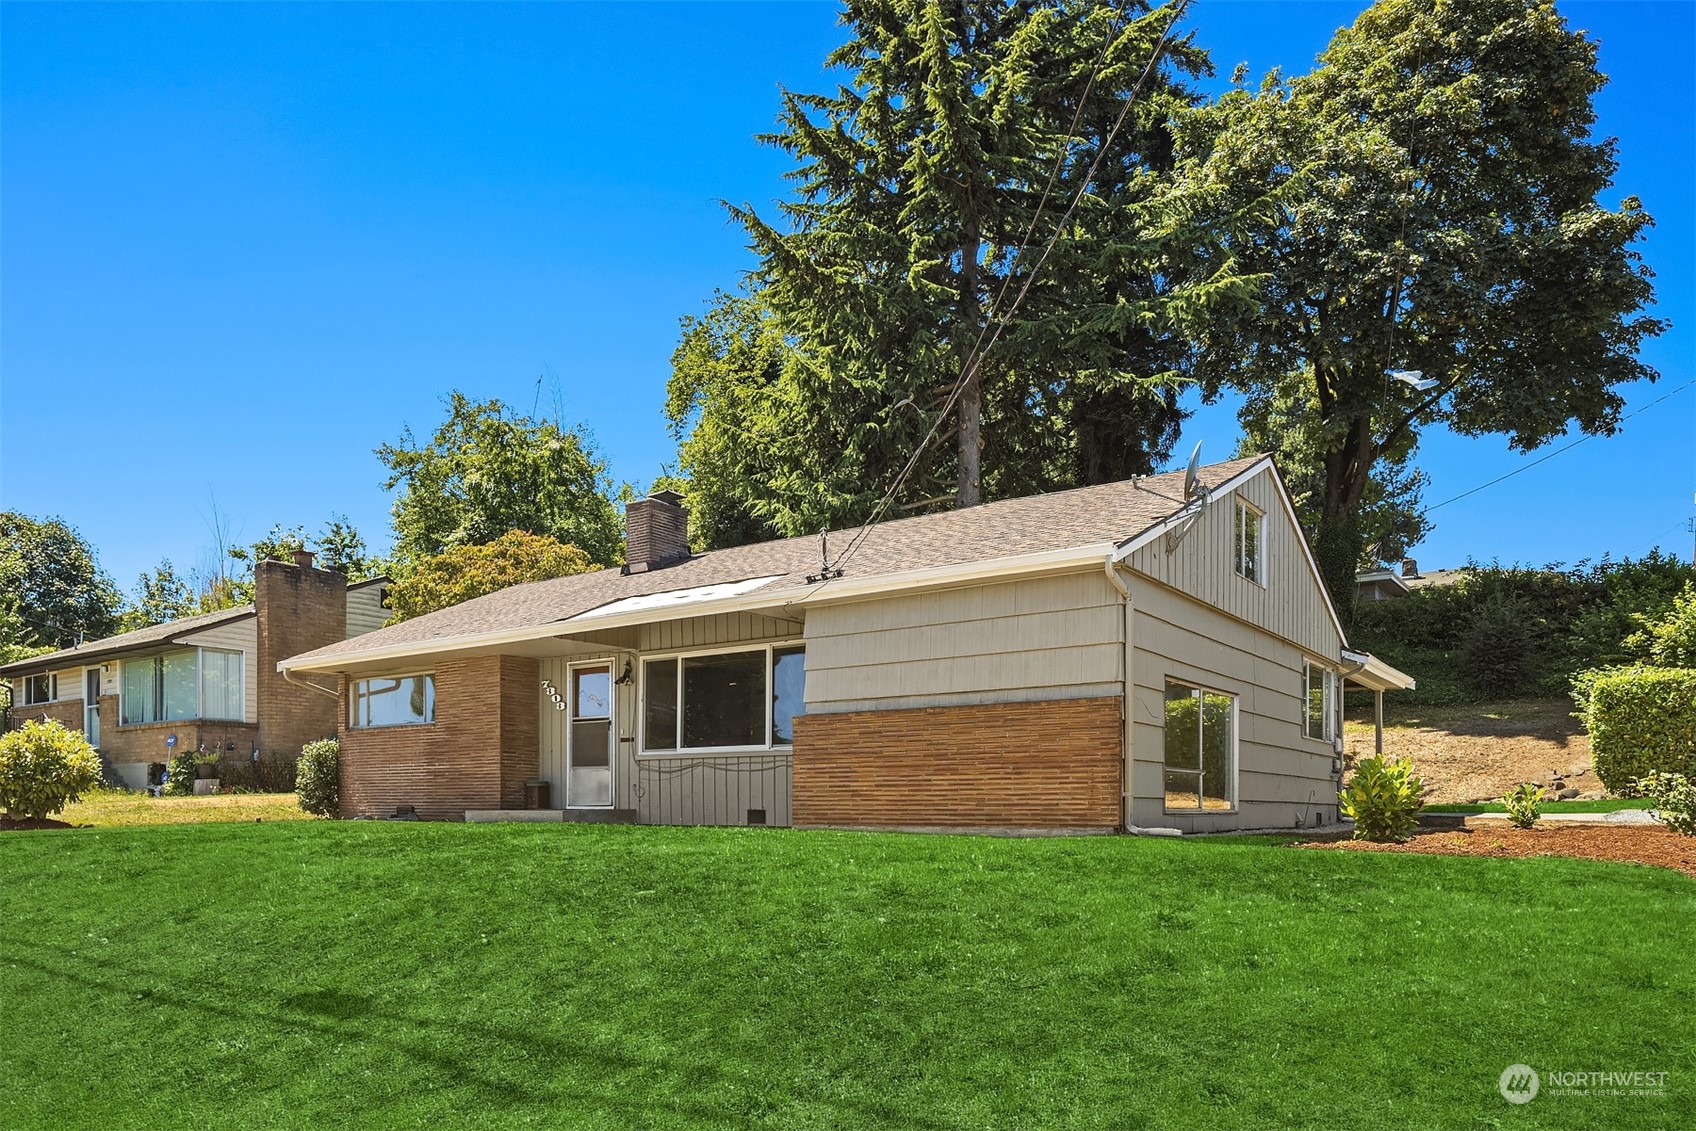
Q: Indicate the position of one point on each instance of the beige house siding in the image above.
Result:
(1013, 641)
(1290, 604)
(1281, 774)
(241, 636)
(365, 612)
(704, 632)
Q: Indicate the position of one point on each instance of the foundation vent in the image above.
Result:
(756, 816)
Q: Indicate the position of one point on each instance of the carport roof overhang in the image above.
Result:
(1367, 671)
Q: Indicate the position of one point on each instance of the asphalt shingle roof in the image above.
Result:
(124, 641)
(1111, 512)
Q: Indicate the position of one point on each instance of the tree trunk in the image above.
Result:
(969, 441)
(1338, 542)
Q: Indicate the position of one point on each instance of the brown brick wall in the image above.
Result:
(67, 713)
(1054, 764)
(478, 753)
(299, 609)
(145, 742)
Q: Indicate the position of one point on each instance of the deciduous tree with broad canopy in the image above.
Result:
(1429, 198)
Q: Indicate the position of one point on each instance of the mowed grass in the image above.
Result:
(369, 974)
(116, 808)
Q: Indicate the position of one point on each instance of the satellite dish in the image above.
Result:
(1415, 379)
(1192, 483)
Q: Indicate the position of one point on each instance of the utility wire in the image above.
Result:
(975, 358)
(1565, 448)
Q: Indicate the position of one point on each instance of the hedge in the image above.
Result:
(1641, 721)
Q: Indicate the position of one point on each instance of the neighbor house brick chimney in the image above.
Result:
(299, 608)
(656, 532)
(1410, 568)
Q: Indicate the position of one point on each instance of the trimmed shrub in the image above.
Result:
(1524, 803)
(180, 775)
(44, 767)
(1641, 721)
(318, 778)
(1382, 799)
(1675, 800)
(1671, 639)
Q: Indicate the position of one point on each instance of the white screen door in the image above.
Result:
(589, 740)
(91, 706)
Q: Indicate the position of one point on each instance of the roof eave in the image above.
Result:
(81, 657)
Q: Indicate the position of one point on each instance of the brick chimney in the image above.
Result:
(299, 608)
(1410, 568)
(656, 532)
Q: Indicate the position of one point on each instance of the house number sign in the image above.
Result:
(553, 694)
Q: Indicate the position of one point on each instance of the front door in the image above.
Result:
(91, 706)
(588, 744)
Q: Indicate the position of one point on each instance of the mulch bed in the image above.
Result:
(9, 822)
(1659, 847)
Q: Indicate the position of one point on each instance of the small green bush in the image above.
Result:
(318, 779)
(1524, 803)
(1382, 799)
(1641, 721)
(1670, 639)
(180, 775)
(44, 767)
(1675, 800)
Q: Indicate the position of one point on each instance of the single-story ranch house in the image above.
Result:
(207, 681)
(1120, 656)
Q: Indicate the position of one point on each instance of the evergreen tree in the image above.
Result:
(962, 132)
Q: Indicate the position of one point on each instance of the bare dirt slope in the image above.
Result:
(1479, 752)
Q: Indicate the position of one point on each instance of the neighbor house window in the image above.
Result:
(42, 688)
(1248, 555)
(189, 683)
(1200, 740)
(1320, 710)
(716, 700)
(407, 700)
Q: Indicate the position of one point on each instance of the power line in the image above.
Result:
(1566, 448)
(974, 358)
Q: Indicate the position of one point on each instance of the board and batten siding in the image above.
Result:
(1014, 641)
(1290, 603)
(1281, 773)
(239, 636)
(365, 612)
(687, 789)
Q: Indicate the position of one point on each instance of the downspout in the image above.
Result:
(1127, 693)
(288, 677)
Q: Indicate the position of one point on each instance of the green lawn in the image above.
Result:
(1607, 805)
(325, 974)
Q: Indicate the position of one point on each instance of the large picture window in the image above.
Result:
(722, 700)
(1200, 746)
(392, 701)
(189, 683)
(1320, 708)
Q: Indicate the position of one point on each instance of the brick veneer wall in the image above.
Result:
(145, 742)
(1053, 764)
(478, 753)
(66, 712)
(299, 609)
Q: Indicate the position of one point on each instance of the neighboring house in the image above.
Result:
(207, 681)
(966, 669)
(1385, 584)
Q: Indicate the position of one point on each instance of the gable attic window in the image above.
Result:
(733, 700)
(1248, 543)
(43, 688)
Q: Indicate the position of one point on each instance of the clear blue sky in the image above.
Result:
(244, 244)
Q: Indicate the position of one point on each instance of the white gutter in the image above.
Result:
(1374, 674)
(1018, 565)
(288, 677)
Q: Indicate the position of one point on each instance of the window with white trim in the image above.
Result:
(1248, 543)
(187, 683)
(43, 688)
(1320, 699)
(737, 699)
(1201, 746)
(392, 701)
